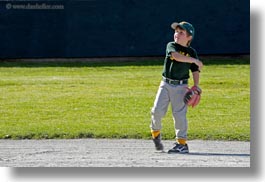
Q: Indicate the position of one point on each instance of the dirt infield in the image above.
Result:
(120, 153)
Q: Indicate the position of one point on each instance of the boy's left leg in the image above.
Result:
(179, 111)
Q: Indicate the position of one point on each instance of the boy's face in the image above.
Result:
(182, 37)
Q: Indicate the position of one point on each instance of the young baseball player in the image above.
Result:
(180, 58)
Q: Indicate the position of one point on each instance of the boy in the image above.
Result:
(180, 58)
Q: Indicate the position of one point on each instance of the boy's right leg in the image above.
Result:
(157, 113)
(156, 136)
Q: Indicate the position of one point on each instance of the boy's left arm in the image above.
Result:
(193, 96)
(196, 78)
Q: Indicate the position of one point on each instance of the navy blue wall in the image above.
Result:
(100, 28)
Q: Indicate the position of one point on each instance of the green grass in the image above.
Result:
(113, 100)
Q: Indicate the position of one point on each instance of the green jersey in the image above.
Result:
(178, 70)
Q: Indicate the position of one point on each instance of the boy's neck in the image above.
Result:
(182, 45)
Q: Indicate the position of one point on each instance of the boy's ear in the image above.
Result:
(190, 37)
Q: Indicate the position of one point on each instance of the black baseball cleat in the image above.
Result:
(178, 148)
(157, 142)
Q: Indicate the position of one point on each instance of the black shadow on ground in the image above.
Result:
(217, 154)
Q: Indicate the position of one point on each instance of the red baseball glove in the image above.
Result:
(193, 96)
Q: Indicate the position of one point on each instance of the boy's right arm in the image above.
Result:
(185, 59)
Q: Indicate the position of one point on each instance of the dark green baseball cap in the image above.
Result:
(184, 25)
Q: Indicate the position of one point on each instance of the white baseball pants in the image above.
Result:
(173, 94)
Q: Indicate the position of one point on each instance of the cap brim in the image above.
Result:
(175, 25)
